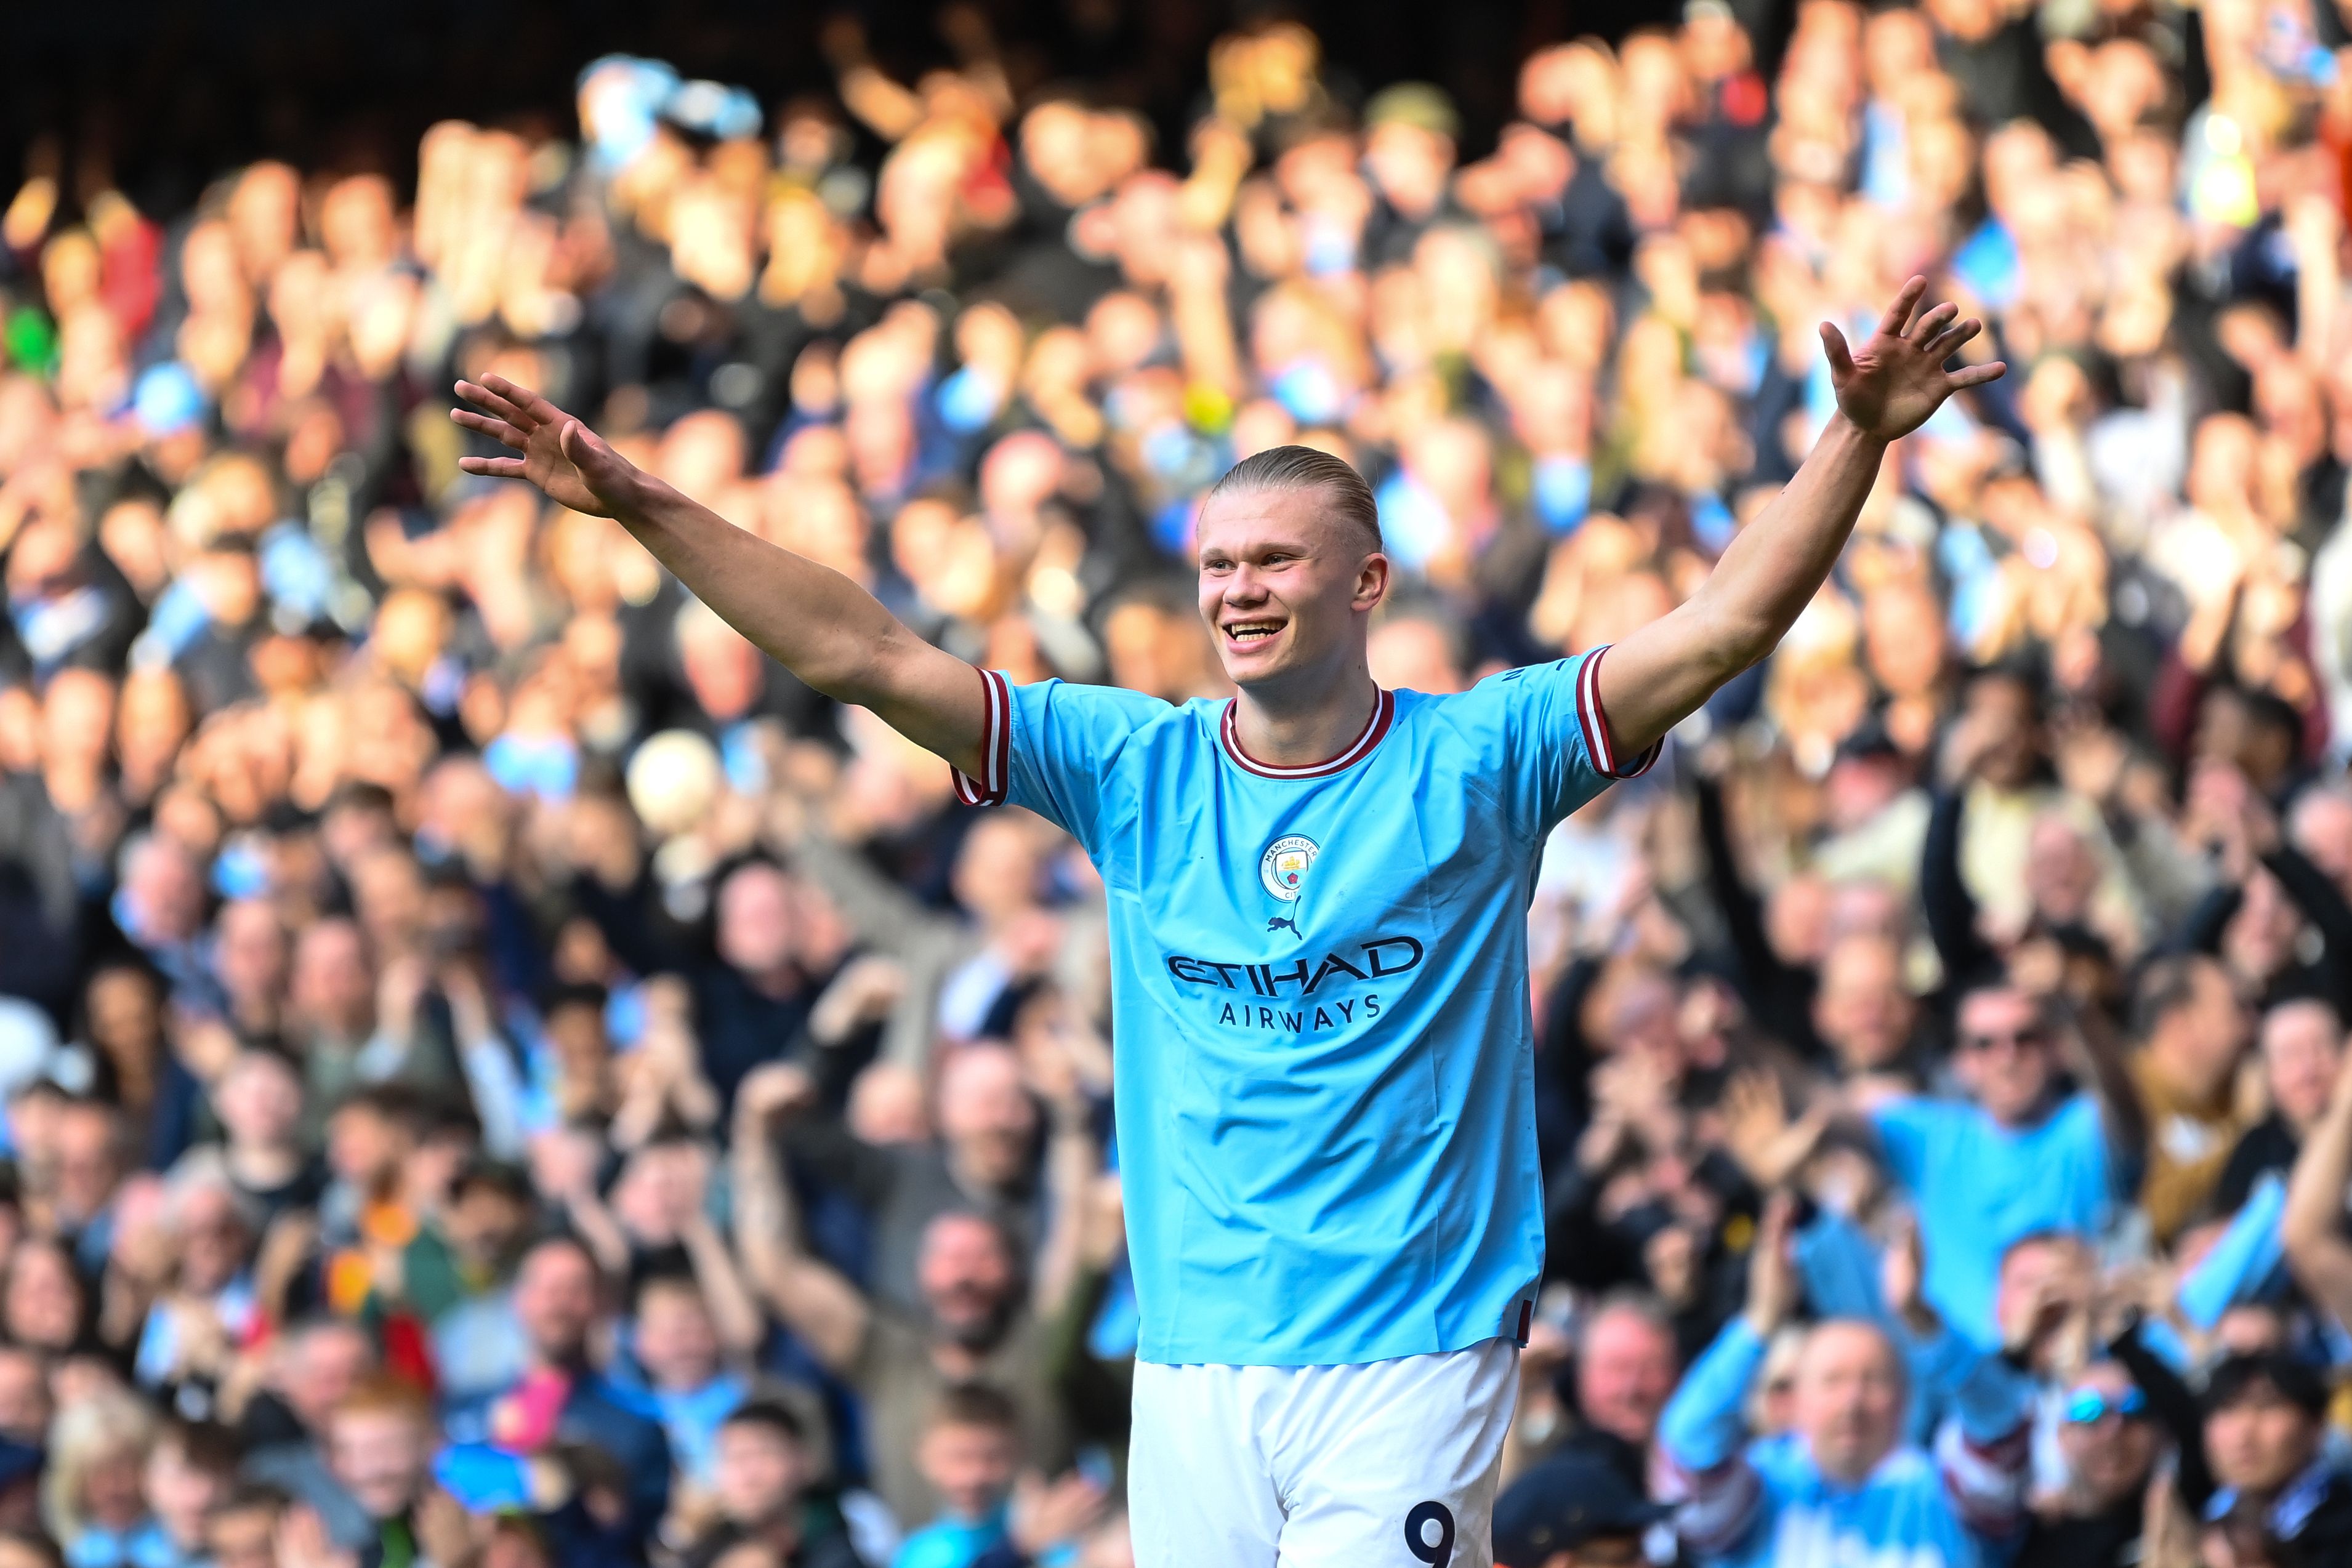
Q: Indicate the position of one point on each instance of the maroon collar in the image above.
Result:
(1383, 712)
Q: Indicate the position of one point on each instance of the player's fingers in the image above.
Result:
(540, 411)
(495, 467)
(1944, 342)
(517, 399)
(490, 398)
(496, 429)
(1833, 344)
(1977, 375)
(1898, 315)
(1924, 330)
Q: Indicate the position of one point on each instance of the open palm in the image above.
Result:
(1893, 382)
(560, 455)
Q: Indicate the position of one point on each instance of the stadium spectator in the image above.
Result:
(2108, 1444)
(1767, 1503)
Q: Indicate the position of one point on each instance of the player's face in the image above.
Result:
(1287, 589)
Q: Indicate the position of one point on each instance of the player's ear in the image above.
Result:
(1372, 582)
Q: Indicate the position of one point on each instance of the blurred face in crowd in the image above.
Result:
(967, 1279)
(2302, 1049)
(90, 1158)
(215, 1237)
(676, 1339)
(378, 1453)
(334, 987)
(484, 1221)
(25, 1404)
(997, 869)
(126, 1015)
(259, 1099)
(366, 1146)
(1287, 589)
(2061, 872)
(316, 1367)
(1861, 786)
(969, 1465)
(1848, 1398)
(2002, 1054)
(180, 1491)
(1797, 918)
(44, 1304)
(250, 952)
(163, 888)
(2002, 713)
(2201, 1039)
(1862, 1009)
(555, 1298)
(1410, 163)
(759, 1470)
(2260, 1441)
(2109, 1450)
(1624, 1373)
(2321, 830)
(721, 666)
(389, 895)
(262, 217)
(76, 716)
(1414, 654)
(577, 1037)
(111, 1492)
(755, 920)
(242, 1537)
(986, 1116)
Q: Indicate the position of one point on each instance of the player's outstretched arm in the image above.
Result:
(1655, 677)
(814, 621)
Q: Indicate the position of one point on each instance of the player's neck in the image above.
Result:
(1298, 727)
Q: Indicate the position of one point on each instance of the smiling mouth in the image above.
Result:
(1247, 633)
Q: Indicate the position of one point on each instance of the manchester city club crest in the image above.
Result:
(1283, 867)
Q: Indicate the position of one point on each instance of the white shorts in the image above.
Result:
(1387, 1462)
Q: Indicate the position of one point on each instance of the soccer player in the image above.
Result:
(1318, 897)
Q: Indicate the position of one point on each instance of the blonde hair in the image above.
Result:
(1307, 468)
(85, 1435)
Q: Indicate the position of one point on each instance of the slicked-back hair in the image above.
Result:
(1307, 468)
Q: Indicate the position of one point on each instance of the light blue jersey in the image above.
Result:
(1766, 1503)
(1981, 1186)
(1321, 1003)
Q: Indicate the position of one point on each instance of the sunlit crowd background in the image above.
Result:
(498, 1072)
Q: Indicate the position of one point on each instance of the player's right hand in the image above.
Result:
(560, 455)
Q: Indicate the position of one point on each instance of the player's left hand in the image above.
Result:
(1893, 382)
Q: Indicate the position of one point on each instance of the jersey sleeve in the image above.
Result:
(1051, 747)
(1555, 748)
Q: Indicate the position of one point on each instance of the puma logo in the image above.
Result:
(1278, 922)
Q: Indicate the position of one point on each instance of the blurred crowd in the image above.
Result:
(498, 1072)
